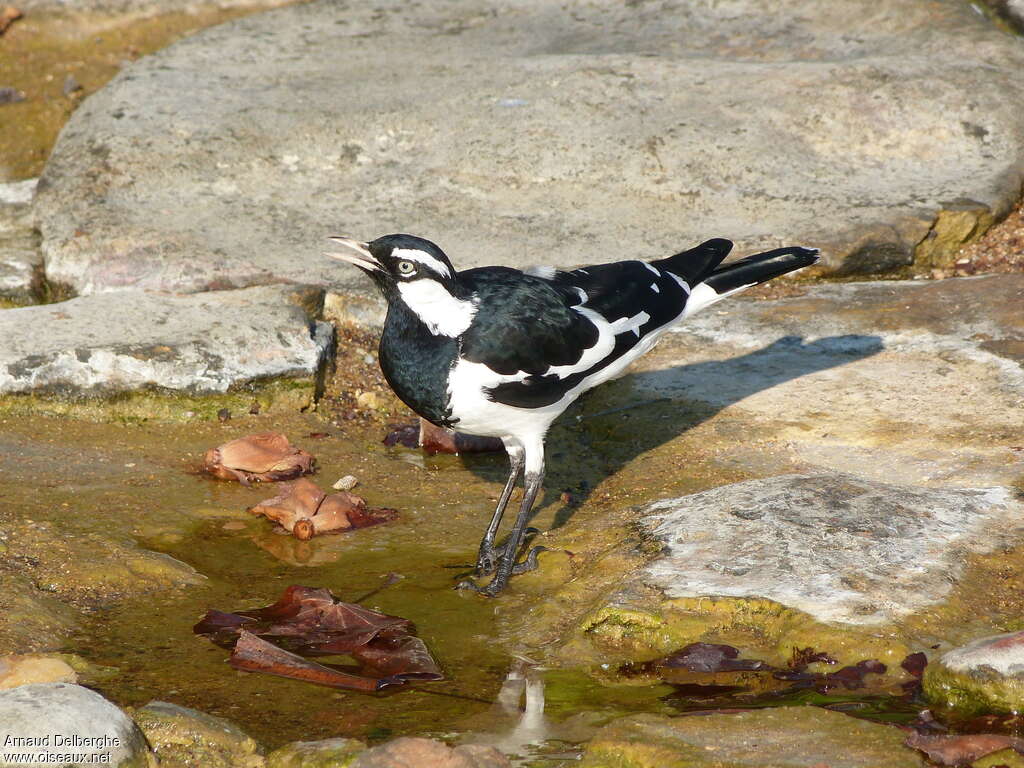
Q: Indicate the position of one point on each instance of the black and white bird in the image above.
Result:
(501, 352)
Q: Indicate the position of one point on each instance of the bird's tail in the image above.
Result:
(746, 273)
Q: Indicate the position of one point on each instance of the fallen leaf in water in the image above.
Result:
(915, 664)
(962, 750)
(434, 439)
(403, 434)
(802, 658)
(305, 511)
(312, 622)
(709, 657)
(267, 456)
(8, 15)
(256, 655)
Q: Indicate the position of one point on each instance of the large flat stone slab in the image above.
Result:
(880, 130)
(836, 547)
(193, 344)
(875, 433)
(912, 382)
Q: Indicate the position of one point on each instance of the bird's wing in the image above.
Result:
(548, 332)
(524, 324)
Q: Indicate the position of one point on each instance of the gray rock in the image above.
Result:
(21, 260)
(70, 720)
(986, 675)
(524, 133)
(196, 344)
(136, 7)
(838, 547)
(910, 382)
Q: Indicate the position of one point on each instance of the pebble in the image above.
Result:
(346, 483)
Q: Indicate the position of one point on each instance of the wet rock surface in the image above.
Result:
(905, 395)
(837, 547)
(986, 675)
(893, 126)
(326, 753)
(24, 669)
(200, 344)
(88, 568)
(428, 752)
(184, 737)
(83, 721)
(773, 738)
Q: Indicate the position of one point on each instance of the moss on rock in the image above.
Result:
(763, 628)
(328, 753)
(186, 738)
(277, 395)
(785, 736)
(973, 691)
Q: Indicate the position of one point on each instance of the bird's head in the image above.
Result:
(394, 260)
(416, 273)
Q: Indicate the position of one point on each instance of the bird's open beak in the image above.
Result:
(355, 253)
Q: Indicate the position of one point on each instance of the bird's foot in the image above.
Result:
(490, 556)
(499, 582)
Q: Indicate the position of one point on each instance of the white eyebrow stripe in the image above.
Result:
(424, 258)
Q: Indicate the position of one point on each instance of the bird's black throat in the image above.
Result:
(416, 363)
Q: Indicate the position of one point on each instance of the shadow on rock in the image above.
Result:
(589, 443)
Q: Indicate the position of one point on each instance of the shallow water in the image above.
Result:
(139, 482)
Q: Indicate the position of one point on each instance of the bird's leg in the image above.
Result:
(534, 464)
(487, 558)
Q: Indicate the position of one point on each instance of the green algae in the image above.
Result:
(763, 628)
(328, 753)
(273, 395)
(775, 738)
(972, 692)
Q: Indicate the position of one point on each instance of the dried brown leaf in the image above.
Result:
(311, 622)
(962, 750)
(263, 457)
(304, 510)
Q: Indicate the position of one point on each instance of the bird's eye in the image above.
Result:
(406, 267)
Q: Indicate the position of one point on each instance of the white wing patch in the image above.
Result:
(652, 268)
(441, 312)
(424, 258)
(626, 324)
(543, 272)
(682, 283)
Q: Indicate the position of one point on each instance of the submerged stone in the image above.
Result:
(187, 738)
(986, 675)
(783, 737)
(24, 669)
(88, 568)
(327, 753)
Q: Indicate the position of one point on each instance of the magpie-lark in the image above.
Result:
(500, 352)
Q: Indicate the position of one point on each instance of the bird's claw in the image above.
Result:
(489, 558)
(498, 583)
(487, 561)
